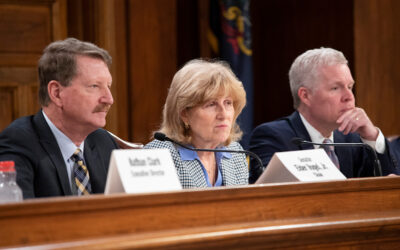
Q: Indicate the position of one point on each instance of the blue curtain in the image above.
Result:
(230, 39)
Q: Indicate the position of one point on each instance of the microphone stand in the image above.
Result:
(162, 137)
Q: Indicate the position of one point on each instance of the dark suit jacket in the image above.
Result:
(276, 136)
(395, 149)
(40, 167)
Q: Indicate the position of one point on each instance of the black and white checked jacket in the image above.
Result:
(234, 170)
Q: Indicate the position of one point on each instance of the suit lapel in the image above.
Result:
(49, 143)
(344, 154)
(300, 130)
(97, 171)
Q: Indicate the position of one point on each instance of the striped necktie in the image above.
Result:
(81, 174)
(331, 152)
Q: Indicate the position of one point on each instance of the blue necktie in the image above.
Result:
(81, 174)
(331, 153)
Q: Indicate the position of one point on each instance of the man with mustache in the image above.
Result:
(62, 150)
(322, 90)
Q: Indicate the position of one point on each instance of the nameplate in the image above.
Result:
(302, 165)
(141, 171)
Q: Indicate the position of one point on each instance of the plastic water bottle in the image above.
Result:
(9, 190)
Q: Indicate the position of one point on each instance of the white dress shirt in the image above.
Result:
(66, 146)
(315, 135)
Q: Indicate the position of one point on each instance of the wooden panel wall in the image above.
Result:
(377, 53)
(26, 27)
(153, 62)
(149, 40)
(104, 22)
(142, 37)
(281, 31)
(111, 26)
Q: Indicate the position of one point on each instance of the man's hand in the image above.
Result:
(356, 121)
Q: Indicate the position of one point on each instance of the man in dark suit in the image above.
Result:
(62, 150)
(321, 86)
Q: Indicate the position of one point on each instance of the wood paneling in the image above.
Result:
(20, 24)
(377, 53)
(149, 40)
(19, 88)
(281, 31)
(188, 32)
(104, 23)
(152, 47)
(339, 214)
(26, 28)
(142, 37)
(111, 34)
(8, 98)
(59, 19)
(204, 27)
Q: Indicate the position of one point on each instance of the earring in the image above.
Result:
(187, 126)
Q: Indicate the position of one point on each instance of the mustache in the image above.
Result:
(102, 108)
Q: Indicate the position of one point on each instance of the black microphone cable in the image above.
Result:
(162, 137)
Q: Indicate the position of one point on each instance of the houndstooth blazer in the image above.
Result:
(234, 170)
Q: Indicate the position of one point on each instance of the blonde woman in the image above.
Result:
(202, 105)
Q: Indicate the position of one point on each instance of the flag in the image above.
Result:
(230, 40)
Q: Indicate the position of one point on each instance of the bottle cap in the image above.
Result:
(7, 166)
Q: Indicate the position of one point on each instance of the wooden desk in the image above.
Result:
(360, 213)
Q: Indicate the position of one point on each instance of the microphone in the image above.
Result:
(377, 165)
(162, 137)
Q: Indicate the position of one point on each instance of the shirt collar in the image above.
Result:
(189, 155)
(315, 135)
(67, 147)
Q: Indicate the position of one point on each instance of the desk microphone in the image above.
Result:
(162, 137)
(377, 164)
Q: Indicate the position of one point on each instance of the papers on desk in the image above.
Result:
(302, 165)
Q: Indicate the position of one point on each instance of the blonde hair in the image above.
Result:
(197, 82)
